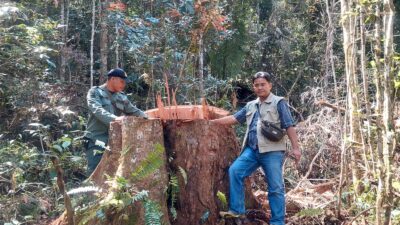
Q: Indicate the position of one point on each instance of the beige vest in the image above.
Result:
(269, 111)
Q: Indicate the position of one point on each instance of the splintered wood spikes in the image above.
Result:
(185, 112)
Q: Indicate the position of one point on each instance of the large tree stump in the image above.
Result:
(204, 151)
(130, 143)
(199, 154)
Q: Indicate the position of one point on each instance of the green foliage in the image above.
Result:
(173, 191)
(396, 216)
(140, 196)
(310, 212)
(183, 174)
(126, 194)
(153, 161)
(222, 198)
(153, 213)
(30, 173)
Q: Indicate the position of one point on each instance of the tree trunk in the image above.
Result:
(116, 45)
(349, 36)
(329, 46)
(201, 64)
(63, 40)
(204, 152)
(103, 41)
(92, 43)
(389, 140)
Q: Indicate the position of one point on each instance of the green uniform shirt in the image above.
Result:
(104, 107)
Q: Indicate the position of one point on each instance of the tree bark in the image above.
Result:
(389, 140)
(204, 151)
(117, 58)
(130, 142)
(349, 46)
(103, 41)
(201, 64)
(92, 43)
(63, 46)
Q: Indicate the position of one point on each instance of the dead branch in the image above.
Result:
(61, 187)
(327, 104)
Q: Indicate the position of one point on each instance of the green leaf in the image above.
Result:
(373, 64)
(65, 144)
(100, 143)
(51, 64)
(397, 84)
(75, 158)
(58, 148)
(222, 198)
(183, 173)
(153, 161)
(396, 185)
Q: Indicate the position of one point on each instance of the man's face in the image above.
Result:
(262, 87)
(118, 84)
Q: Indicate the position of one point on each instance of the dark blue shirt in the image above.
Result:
(284, 116)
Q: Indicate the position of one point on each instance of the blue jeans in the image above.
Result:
(247, 163)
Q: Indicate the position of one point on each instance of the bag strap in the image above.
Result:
(271, 123)
(259, 113)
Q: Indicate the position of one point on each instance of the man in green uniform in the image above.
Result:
(106, 103)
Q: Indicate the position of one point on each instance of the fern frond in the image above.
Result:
(173, 188)
(152, 213)
(153, 161)
(84, 190)
(183, 173)
(142, 195)
(174, 213)
(222, 198)
(89, 215)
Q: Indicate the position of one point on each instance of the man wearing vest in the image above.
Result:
(257, 150)
(106, 104)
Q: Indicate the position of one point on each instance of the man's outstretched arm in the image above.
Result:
(227, 120)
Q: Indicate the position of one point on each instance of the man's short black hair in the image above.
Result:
(262, 74)
(117, 72)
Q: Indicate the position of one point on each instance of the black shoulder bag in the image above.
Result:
(270, 130)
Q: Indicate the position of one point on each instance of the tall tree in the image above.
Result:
(92, 42)
(379, 145)
(385, 192)
(64, 14)
(103, 6)
(349, 21)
